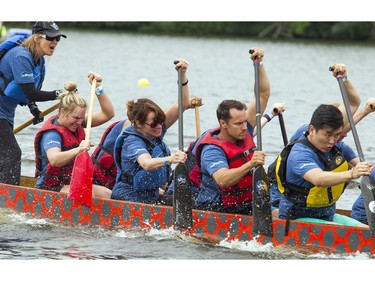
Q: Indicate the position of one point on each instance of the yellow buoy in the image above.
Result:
(143, 82)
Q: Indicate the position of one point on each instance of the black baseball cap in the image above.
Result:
(48, 28)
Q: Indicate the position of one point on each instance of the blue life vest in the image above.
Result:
(141, 179)
(12, 89)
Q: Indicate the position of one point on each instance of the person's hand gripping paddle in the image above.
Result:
(182, 199)
(81, 182)
(30, 121)
(262, 216)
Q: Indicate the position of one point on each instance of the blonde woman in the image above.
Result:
(62, 138)
(22, 71)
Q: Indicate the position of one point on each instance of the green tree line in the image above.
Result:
(352, 31)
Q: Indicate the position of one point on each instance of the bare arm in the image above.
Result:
(150, 164)
(58, 158)
(318, 177)
(353, 95)
(358, 116)
(172, 112)
(227, 177)
(107, 111)
(275, 110)
(321, 178)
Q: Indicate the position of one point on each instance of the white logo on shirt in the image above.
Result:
(216, 163)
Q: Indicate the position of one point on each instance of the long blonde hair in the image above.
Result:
(31, 43)
(71, 99)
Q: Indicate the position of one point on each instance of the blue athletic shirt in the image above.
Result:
(301, 160)
(18, 65)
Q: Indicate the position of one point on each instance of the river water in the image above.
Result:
(219, 69)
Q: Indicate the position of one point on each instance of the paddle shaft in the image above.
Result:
(257, 106)
(180, 113)
(262, 217)
(282, 127)
(350, 117)
(30, 121)
(182, 202)
(366, 184)
(197, 119)
(91, 109)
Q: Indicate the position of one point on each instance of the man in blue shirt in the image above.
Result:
(317, 170)
(226, 155)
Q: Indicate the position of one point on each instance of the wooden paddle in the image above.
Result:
(182, 199)
(81, 182)
(367, 184)
(197, 119)
(30, 121)
(262, 216)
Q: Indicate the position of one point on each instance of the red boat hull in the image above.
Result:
(209, 226)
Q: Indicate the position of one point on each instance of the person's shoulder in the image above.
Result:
(212, 149)
(19, 51)
(342, 146)
(299, 132)
(299, 147)
(51, 135)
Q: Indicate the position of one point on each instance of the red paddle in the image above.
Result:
(81, 182)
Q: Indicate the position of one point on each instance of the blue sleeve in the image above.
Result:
(49, 140)
(22, 68)
(212, 159)
(250, 128)
(133, 147)
(301, 160)
(298, 133)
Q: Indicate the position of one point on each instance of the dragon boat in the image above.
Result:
(211, 227)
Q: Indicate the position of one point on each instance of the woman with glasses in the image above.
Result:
(22, 70)
(62, 138)
(143, 159)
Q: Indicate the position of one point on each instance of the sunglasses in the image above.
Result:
(154, 123)
(57, 38)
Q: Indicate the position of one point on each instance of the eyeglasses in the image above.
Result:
(57, 38)
(154, 124)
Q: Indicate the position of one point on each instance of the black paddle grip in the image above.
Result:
(176, 61)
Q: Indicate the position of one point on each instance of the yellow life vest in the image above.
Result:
(316, 196)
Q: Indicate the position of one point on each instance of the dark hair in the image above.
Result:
(139, 109)
(222, 111)
(327, 115)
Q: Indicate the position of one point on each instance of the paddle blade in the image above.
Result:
(81, 181)
(262, 215)
(368, 193)
(182, 200)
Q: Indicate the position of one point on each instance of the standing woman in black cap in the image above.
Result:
(22, 70)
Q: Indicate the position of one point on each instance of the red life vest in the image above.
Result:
(105, 169)
(236, 156)
(56, 176)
